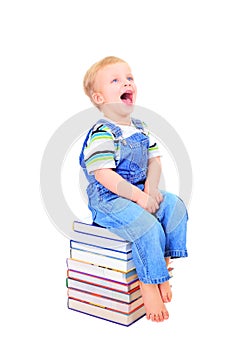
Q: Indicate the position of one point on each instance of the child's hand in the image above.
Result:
(157, 195)
(154, 193)
(147, 202)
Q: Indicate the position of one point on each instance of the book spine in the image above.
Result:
(101, 260)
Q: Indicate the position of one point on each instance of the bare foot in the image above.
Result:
(165, 288)
(154, 306)
(165, 291)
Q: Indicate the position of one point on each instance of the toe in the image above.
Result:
(161, 317)
(165, 315)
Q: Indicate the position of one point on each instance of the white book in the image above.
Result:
(106, 314)
(101, 260)
(96, 230)
(87, 238)
(109, 293)
(104, 282)
(105, 302)
(100, 250)
(113, 274)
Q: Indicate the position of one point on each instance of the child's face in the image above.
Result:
(114, 84)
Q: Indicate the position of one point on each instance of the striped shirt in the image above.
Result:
(101, 152)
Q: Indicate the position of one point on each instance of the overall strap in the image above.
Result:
(81, 156)
(138, 124)
(116, 130)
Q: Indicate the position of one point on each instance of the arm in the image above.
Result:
(152, 180)
(116, 184)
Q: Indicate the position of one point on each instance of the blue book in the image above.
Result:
(102, 260)
(102, 250)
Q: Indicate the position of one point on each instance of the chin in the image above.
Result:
(127, 108)
(122, 109)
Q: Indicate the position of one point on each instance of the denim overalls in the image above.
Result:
(153, 237)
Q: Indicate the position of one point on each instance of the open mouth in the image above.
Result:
(127, 97)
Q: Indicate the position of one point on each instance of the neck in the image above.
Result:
(117, 113)
(119, 120)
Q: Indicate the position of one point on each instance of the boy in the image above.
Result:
(121, 161)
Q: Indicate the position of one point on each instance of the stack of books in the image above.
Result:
(101, 276)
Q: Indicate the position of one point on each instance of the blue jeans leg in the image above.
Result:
(131, 222)
(173, 216)
(153, 237)
(148, 256)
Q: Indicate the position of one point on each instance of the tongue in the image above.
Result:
(127, 101)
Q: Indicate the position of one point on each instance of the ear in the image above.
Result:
(98, 98)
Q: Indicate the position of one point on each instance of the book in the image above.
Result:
(105, 302)
(102, 260)
(101, 276)
(90, 238)
(100, 281)
(102, 291)
(113, 274)
(126, 255)
(125, 319)
(95, 230)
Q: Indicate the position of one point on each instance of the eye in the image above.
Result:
(130, 78)
(115, 80)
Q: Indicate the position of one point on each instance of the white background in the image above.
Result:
(181, 55)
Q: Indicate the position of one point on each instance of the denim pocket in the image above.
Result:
(139, 158)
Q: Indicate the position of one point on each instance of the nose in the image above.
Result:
(127, 83)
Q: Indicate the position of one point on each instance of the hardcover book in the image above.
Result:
(125, 319)
(106, 251)
(105, 302)
(127, 297)
(95, 230)
(101, 276)
(108, 273)
(102, 260)
(101, 241)
(104, 282)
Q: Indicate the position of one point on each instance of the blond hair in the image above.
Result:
(89, 78)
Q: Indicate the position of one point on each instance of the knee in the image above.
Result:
(179, 207)
(174, 201)
(174, 210)
(179, 215)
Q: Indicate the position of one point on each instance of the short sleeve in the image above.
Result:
(100, 150)
(153, 150)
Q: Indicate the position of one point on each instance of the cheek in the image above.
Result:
(114, 91)
(135, 92)
(107, 93)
